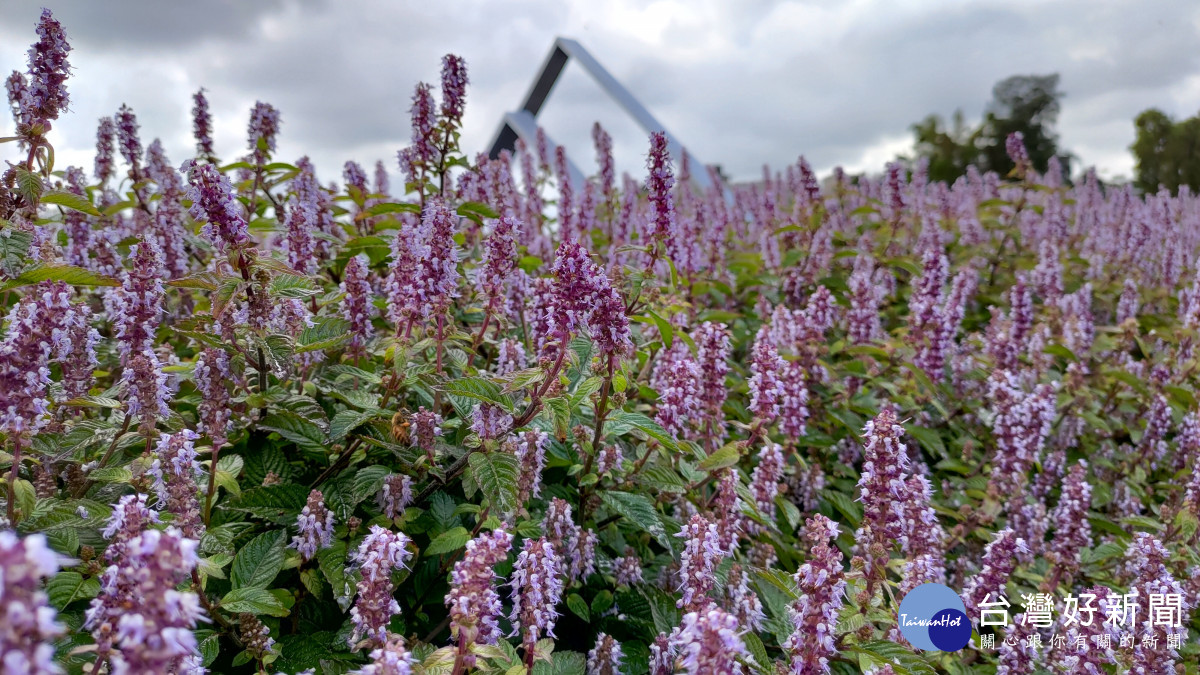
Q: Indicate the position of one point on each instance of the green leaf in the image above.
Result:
(253, 601)
(295, 429)
(14, 250)
(480, 389)
(728, 455)
(849, 508)
(393, 207)
(67, 587)
(662, 479)
(640, 511)
(293, 286)
(780, 580)
(332, 562)
(561, 663)
(450, 540)
(928, 438)
(576, 604)
(368, 482)
(325, 333)
(69, 274)
(475, 211)
(29, 184)
(256, 565)
(620, 422)
(70, 200)
(204, 281)
(111, 474)
(346, 421)
(665, 330)
(497, 475)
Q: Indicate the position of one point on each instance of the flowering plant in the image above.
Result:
(252, 423)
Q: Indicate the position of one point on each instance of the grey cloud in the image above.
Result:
(779, 84)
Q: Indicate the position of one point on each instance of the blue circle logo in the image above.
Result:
(933, 617)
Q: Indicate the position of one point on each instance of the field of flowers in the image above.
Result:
(489, 421)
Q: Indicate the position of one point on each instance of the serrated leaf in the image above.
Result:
(70, 200)
(727, 456)
(781, 580)
(332, 562)
(67, 587)
(368, 482)
(204, 281)
(68, 274)
(293, 286)
(346, 421)
(14, 250)
(295, 429)
(480, 389)
(256, 565)
(640, 511)
(847, 506)
(450, 540)
(620, 422)
(497, 475)
(253, 601)
(111, 474)
(325, 333)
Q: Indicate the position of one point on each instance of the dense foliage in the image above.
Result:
(252, 421)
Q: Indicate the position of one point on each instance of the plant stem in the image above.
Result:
(12, 482)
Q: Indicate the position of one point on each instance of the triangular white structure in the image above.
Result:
(522, 123)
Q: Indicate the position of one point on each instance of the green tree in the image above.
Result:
(949, 148)
(1167, 153)
(1026, 103)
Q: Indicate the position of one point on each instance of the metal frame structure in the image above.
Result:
(522, 123)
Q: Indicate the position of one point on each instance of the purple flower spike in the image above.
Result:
(380, 554)
(702, 552)
(263, 127)
(128, 140)
(139, 611)
(356, 305)
(822, 587)
(881, 486)
(659, 184)
(536, 589)
(473, 601)
(27, 622)
(176, 471)
(106, 134)
(46, 94)
(202, 124)
(213, 203)
(708, 641)
(454, 88)
(315, 524)
(605, 657)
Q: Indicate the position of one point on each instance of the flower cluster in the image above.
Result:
(315, 525)
(27, 622)
(536, 589)
(473, 601)
(381, 553)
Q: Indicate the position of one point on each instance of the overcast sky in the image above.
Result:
(739, 82)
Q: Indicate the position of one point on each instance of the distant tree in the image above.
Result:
(1166, 152)
(949, 149)
(1026, 103)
